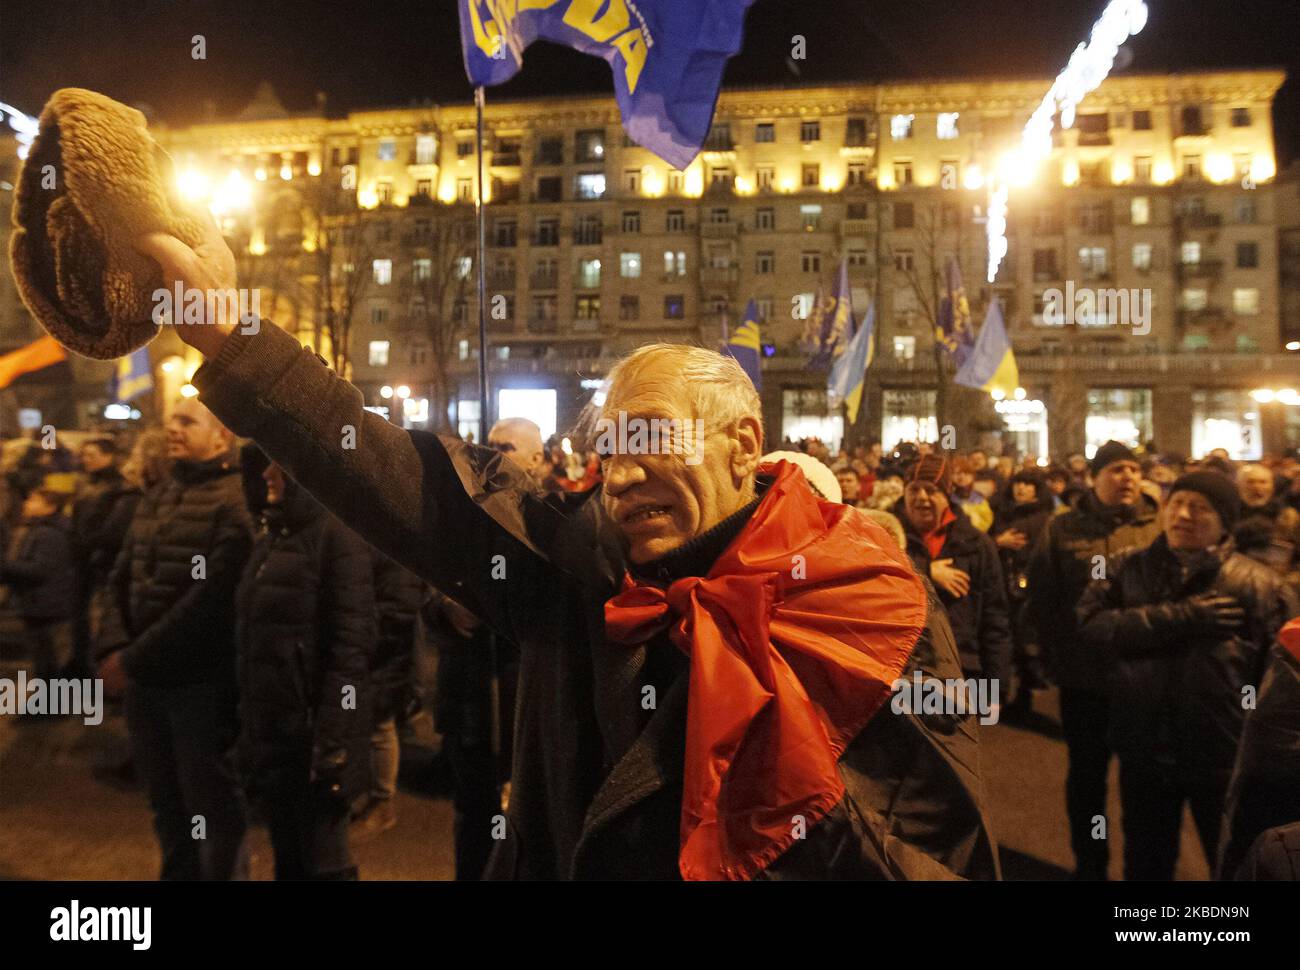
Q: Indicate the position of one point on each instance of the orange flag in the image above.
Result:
(37, 355)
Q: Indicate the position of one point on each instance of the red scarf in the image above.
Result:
(795, 638)
(936, 537)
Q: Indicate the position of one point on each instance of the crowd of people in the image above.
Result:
(1149, 589)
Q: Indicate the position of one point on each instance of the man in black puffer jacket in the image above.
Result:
(305, 613)
(1184, 627)
(168, 640)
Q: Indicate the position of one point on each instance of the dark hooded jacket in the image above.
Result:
(169, 612)
(980, 620)
(1075, 546)
(1176, 685)
(94, 524)
(540, 570)
(1029, 518)
(305, 624)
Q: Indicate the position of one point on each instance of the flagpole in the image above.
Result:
(480, 258)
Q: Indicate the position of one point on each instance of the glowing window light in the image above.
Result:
(900, 127)
(1087, 68)
(193, 184)
(973, 177)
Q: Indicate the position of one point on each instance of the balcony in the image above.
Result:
(1201, 268)
(544, 281)
(507, 159)
(856, 227)
(718, 276)
(588, 236)
(1210, 316)
(501, 280)
(543, 325)
(719, 230)
(1090, 138)
(586, 325)
(1202, 220)
(546, 238)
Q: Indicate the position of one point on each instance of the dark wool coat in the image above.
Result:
(1063, 562)
(41, 574)
(1176, 686)
(178, 628)
(305, 612)
(980, 620)
(539, 571)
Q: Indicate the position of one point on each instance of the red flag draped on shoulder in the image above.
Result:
(795, 638)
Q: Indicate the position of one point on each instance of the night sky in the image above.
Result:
(375, 53)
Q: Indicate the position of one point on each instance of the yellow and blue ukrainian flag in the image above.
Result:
(849, 372)
(991, 366)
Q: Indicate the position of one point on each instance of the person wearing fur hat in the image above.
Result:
(1183, 629)
(962, 563)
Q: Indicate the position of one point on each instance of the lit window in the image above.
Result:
(904, 348)
(387, 149)
(810, 131)
(1142, 256)
(1140, 210)
(464, 266)
(674, 263)
(1092, 260)
(383, 271)
(424, 146)
(765, 131)
(803, 305)
(422, 269)
(591, 185)
(674, 307)
(1191, 253)
(1195, 299)
(811, 216)
(629, 265)
(589, 273)
(900, 127)
(1245, 301)
(947, 125)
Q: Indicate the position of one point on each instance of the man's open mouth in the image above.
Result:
(646, 513)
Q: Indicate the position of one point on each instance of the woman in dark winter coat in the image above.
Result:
(38, 570)
(1023, 510)
(305, 611)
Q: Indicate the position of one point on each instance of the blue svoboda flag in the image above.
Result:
(746, 346)
(830, 322)
(991, 366)
(667, 56)
(849, 372)
(134, 376)
(954, 328)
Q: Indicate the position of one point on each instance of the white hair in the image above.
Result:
(718, 388)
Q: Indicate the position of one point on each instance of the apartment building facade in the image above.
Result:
(1165, 188)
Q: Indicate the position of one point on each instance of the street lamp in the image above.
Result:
(386, 392)
(403, 391)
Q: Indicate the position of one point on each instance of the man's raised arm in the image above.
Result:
(403, 492)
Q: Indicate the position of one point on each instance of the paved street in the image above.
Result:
(61, 816)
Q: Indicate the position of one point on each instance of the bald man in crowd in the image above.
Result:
(168, 643)
(521, 440)
(711, 655)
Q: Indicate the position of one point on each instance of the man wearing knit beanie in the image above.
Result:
(1111, 516)
(1183, 628)
(962, 562)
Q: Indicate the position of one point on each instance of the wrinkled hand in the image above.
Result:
(954, 581)
(111, 673)
(210, 267)
(1221, 614)
(1012, 539)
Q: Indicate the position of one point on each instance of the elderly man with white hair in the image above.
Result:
(708, 651)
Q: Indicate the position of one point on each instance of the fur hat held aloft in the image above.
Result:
(94, 181)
